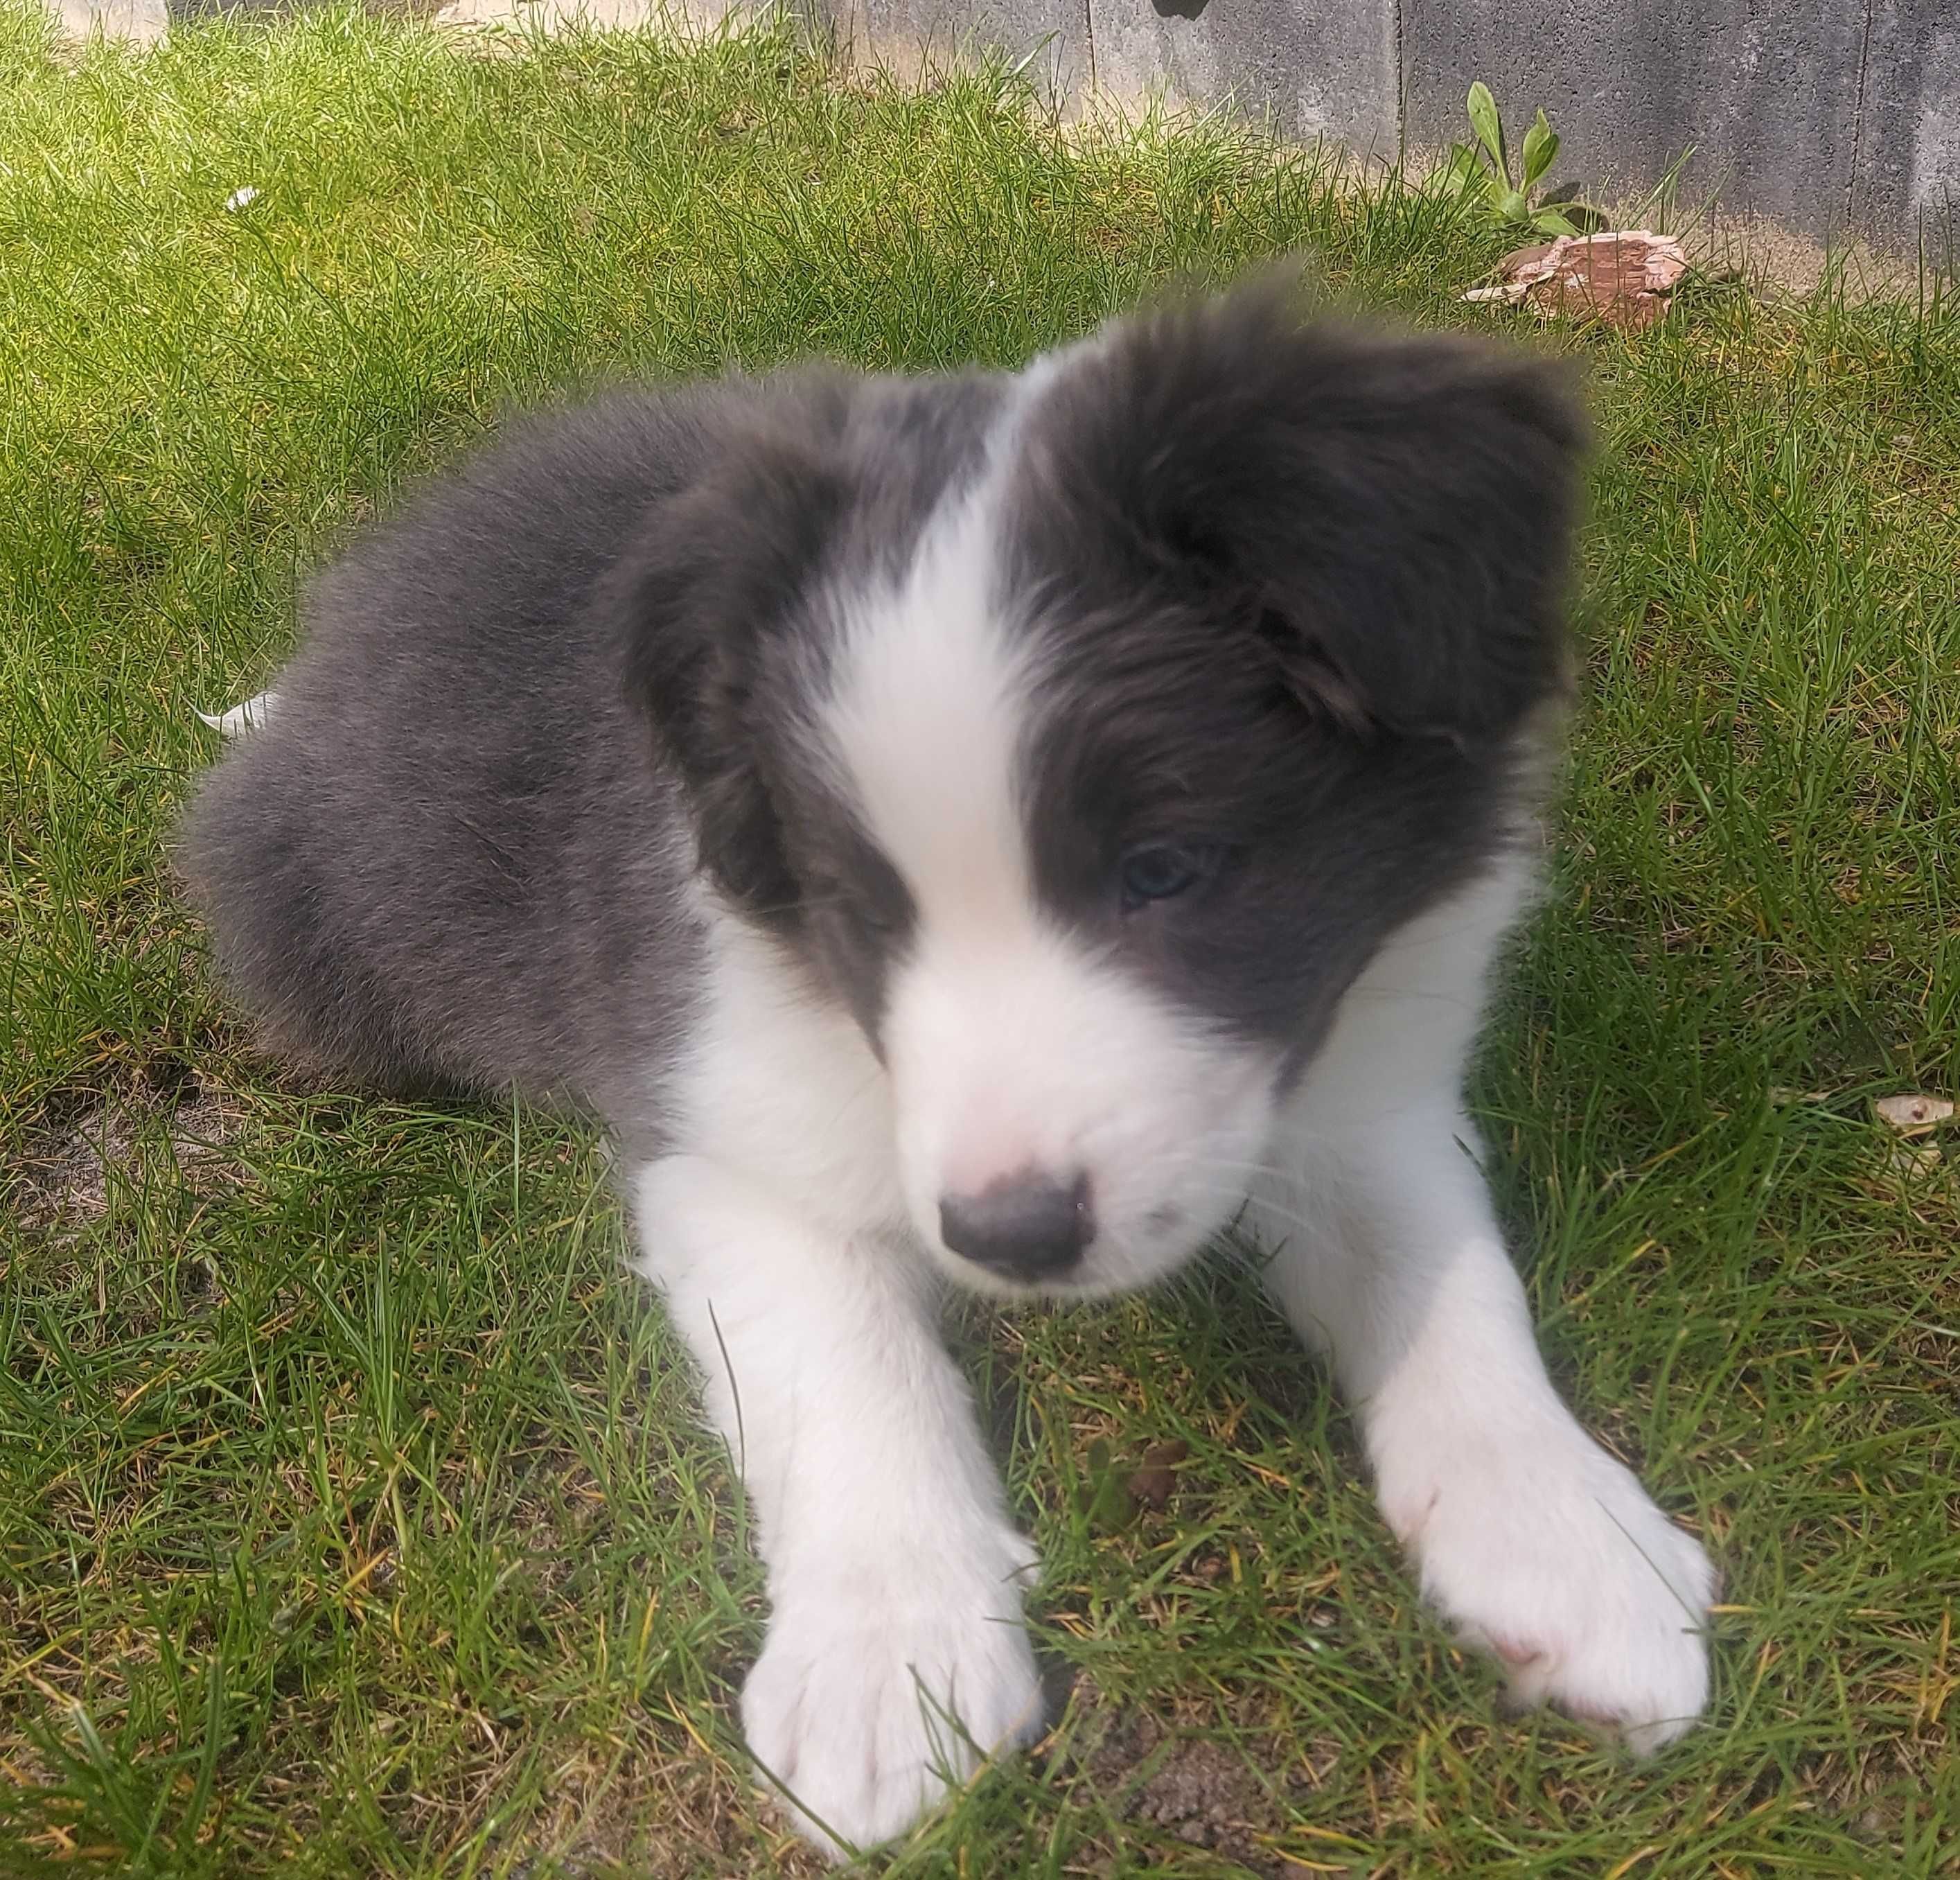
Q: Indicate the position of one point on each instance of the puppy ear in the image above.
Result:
(717, 573)
(1391, 515)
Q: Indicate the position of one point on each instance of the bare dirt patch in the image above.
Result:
(66, 1175)
(1189, 1787)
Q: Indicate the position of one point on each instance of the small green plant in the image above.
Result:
(1481, 172)
(1104, 1498)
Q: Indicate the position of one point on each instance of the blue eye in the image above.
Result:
(1160, 871)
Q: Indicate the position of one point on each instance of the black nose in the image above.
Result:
(1025, 1227)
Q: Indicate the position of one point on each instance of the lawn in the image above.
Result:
(353, 1516)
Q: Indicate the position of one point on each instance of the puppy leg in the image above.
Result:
(895, 1657)
(1532, 1541)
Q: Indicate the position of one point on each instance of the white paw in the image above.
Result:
(878, 1684)
(1548, 1553)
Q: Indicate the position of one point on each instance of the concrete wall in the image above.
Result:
(1828, 117)
(1324, 69)
(1053, 35)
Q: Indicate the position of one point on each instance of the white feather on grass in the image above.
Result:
(251, 716)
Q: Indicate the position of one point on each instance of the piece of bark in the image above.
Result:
(1623, 276)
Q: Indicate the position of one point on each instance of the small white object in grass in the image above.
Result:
(251, 716)
(1914, 1164)
(140, 22)
(241, 199)
(1914, 1114)
(554, 17)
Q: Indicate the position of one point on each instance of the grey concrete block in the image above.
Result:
(551, 15)
(911, 35)
(1829, 117)
(141, 22)
(554, 17)
(1906, 177)
(1316, 68)
(1766, 90)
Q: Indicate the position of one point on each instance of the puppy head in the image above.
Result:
(1092, 777)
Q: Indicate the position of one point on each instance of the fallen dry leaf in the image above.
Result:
(1914, 1114)
(1915, 1162)
(1625, 276)
(1154, 1482)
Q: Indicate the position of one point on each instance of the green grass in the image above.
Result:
(353, 1518)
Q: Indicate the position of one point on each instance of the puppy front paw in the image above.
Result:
(1548, 1554)
(877, 1687)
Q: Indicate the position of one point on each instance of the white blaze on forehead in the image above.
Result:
(924, 722)
(924, 726)
(1014, 1045)
(930, 703)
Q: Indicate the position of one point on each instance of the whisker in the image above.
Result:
(1203, 1160)
(802, 904)
(1292, 1176)
(1306, 1223)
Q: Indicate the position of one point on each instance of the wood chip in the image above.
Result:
(1623, 276)
(1915, 1163)
(1915, 1113)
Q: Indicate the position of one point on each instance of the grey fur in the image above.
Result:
(1296, 588)
(456, 858)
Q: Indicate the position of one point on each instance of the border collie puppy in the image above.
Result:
(991, 828)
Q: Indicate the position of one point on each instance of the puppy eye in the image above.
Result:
(853, 906)
(855, 910)
(1160, 871)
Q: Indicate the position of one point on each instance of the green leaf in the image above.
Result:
(1550, 221)
(1116, 1506)
(1460, 174)
(1453, 179)
(1540, 150)
(1586, 217)
(1105, 1497)
(1489, 127)
(1513, 206)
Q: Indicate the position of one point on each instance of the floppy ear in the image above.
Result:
(716, 572)
(1391, 515)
